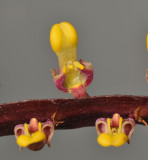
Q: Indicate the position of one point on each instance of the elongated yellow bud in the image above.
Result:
(73, 76)
(63, 36)
(56, 38)
(64, 39)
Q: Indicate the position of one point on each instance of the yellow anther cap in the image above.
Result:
(62, 36)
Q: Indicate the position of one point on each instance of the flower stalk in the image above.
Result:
(73, 113)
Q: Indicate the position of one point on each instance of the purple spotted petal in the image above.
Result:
(19, 130)
(101, 126)
(128, 126)
(48, 129)
(59, 80)
(87, 72)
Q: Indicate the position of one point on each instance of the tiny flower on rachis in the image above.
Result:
(114, 132)
(35, 135)
(73, 75)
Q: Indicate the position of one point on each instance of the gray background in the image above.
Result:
(112, 35)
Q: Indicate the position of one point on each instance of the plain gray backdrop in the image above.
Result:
(112, 35)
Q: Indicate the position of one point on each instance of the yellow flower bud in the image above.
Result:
(63, 36)
(64, 39)
(56, 38)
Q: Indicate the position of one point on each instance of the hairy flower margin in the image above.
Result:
(114, 132)
(34, 135)
(73, 75)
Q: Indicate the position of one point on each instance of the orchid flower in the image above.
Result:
(73, 75)
(35, 135)
(115, 131)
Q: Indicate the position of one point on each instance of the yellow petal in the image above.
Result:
(70, 66)
(39, 126)
(26, 129)
(76, 64)
(104, 140)
(23, 140)
(119, 139)
(37, 137)
(109, 128)
(64, 69)
(120, 124)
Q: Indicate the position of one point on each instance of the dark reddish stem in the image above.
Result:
(71, 113)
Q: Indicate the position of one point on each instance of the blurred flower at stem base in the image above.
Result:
(114, 132)
(35, 135)
(73, 75)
